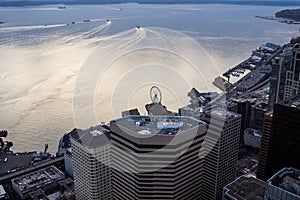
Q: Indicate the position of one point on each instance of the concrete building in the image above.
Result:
(157, 157)
(221, 152)
(245, 188)
(292, 85)
(252, 138)
(284, 185)
(91, 163)
(45, 179)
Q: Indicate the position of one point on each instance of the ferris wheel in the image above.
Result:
(155, 94)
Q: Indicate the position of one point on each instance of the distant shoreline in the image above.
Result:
(168, 2)
(285, 16)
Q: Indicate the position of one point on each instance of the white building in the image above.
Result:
(91, 163)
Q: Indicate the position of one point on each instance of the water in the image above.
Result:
(56, 74)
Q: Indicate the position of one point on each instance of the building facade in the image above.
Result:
(221, 146)
(281, 147)
(278, 76)
(264, 146)
(292, 85)
(157, 157)
(91, 163)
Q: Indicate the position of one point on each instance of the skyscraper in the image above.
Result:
(264, 146)
(283, 141)
(157, 157)
(292, 85)
(91, 163)
(278, 76)
(221, 146)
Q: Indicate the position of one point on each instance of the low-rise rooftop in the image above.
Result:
(253, 132)
(38, 178)
(287, 179)
(245, 188)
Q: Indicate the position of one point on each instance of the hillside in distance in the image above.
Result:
(239, 2)
(293, 14)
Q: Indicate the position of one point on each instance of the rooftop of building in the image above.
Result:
(37, 178)
(246, 188)
(158, 109)
(253, 132)
(225, 114)
(165, 125)
(293, 102)
(66, 189)
(287, 179)
(92, 137)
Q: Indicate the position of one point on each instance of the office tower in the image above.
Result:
(91, 163)
(244, 109)
(245, 188)
(278, 76)
(221, 146)
(157, 157)
(284, 185)
(264, 145)
(292, 85)
(283, 145)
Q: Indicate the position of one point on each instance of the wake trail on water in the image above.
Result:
(28, 28)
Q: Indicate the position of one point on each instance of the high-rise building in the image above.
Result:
(264, 146)
(221, 146)
(157, 157)
(245, 188)
(282, 145)
(91, 163)
(292, 85)
(278, 76)
(284, 185)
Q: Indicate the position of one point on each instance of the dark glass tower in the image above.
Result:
(283, 145)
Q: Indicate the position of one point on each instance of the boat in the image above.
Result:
(61, 7)
(2, 22)
(87, 20)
